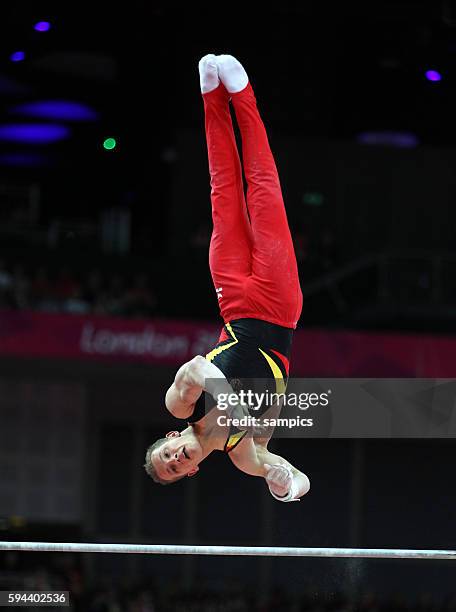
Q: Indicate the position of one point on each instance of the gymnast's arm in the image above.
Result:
(192, 378)
(285, 482)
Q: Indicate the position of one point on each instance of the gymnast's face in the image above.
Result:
(178, 456)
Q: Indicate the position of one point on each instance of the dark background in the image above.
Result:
(373, 226)
(374, 221)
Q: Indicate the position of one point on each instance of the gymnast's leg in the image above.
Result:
(230, 249)
(273, 289)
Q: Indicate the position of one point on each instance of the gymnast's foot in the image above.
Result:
(209, 79)
(231, 73)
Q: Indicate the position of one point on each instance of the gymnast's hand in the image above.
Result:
(279, 479)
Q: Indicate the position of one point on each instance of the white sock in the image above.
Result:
(209, 79)
(231, 73)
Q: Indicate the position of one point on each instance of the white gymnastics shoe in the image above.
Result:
(209, 78)
(231, 72)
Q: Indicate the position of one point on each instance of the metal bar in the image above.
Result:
(258, 551)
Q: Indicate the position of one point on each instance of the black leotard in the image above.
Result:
(249, 349)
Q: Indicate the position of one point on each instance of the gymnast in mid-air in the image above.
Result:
(255, 276)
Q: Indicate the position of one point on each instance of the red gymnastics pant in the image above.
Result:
(252, 261)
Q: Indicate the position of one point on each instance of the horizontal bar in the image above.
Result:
(256, 551)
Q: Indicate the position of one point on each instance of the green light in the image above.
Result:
(109, 143)
(313, 198)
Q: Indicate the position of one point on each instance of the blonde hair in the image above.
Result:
(150, 468)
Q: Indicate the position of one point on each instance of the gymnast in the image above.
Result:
(255, 276)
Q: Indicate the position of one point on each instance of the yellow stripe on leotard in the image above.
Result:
(278, 376)
(219, 349)
(234, 440)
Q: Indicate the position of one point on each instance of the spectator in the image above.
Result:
(112, 301)
(6, 283)
(76, 304)
(140, 300)
(93, 290)
(20, 288)
(65, 285)
(42, 295)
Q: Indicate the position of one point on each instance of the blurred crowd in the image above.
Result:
(64, 286)
(60, 287)
(152, 595)
(63, 291)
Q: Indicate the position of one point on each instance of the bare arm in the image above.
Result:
(192, 378)
(280, 474)
(280, 481)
